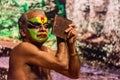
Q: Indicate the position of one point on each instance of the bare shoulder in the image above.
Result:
(23, 48)
(26, 45)
(27, 50)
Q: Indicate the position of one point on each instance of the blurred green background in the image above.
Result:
(10, 11)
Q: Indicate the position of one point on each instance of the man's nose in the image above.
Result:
(42, 28)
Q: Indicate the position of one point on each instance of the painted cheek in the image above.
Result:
(37, 35)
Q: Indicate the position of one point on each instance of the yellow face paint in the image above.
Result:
(41, 20)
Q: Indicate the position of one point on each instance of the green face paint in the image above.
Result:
(38, 36)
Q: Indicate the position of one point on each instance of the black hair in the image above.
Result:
(22, 21)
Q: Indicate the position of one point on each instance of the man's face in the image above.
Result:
(37, 28)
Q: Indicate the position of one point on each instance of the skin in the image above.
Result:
(30, 60)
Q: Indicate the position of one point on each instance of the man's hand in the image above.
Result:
(71, 33)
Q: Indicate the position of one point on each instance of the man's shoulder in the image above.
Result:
(24, 44)
(23, 47)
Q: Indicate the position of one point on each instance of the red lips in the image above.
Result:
(42, 35)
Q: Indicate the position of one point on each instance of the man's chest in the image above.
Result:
(34, 72)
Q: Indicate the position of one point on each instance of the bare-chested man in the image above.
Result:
(30, 60)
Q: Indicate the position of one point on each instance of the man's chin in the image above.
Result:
(42, 40)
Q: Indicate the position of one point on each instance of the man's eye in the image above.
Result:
(31, 26)
(46, 25)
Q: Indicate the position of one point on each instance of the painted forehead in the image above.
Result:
(38, 19)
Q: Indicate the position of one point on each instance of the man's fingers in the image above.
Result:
(72, 33)
(67, 30)
(72, 25)
(69, 34)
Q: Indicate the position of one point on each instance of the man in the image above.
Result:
(30, 60)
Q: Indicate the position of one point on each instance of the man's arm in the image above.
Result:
(30, 54)
(62, 52)
(73, 64)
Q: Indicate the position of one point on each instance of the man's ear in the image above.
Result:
(22, 32)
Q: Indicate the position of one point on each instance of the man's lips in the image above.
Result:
(41, 35)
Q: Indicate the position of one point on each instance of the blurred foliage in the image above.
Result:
(12, 9)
